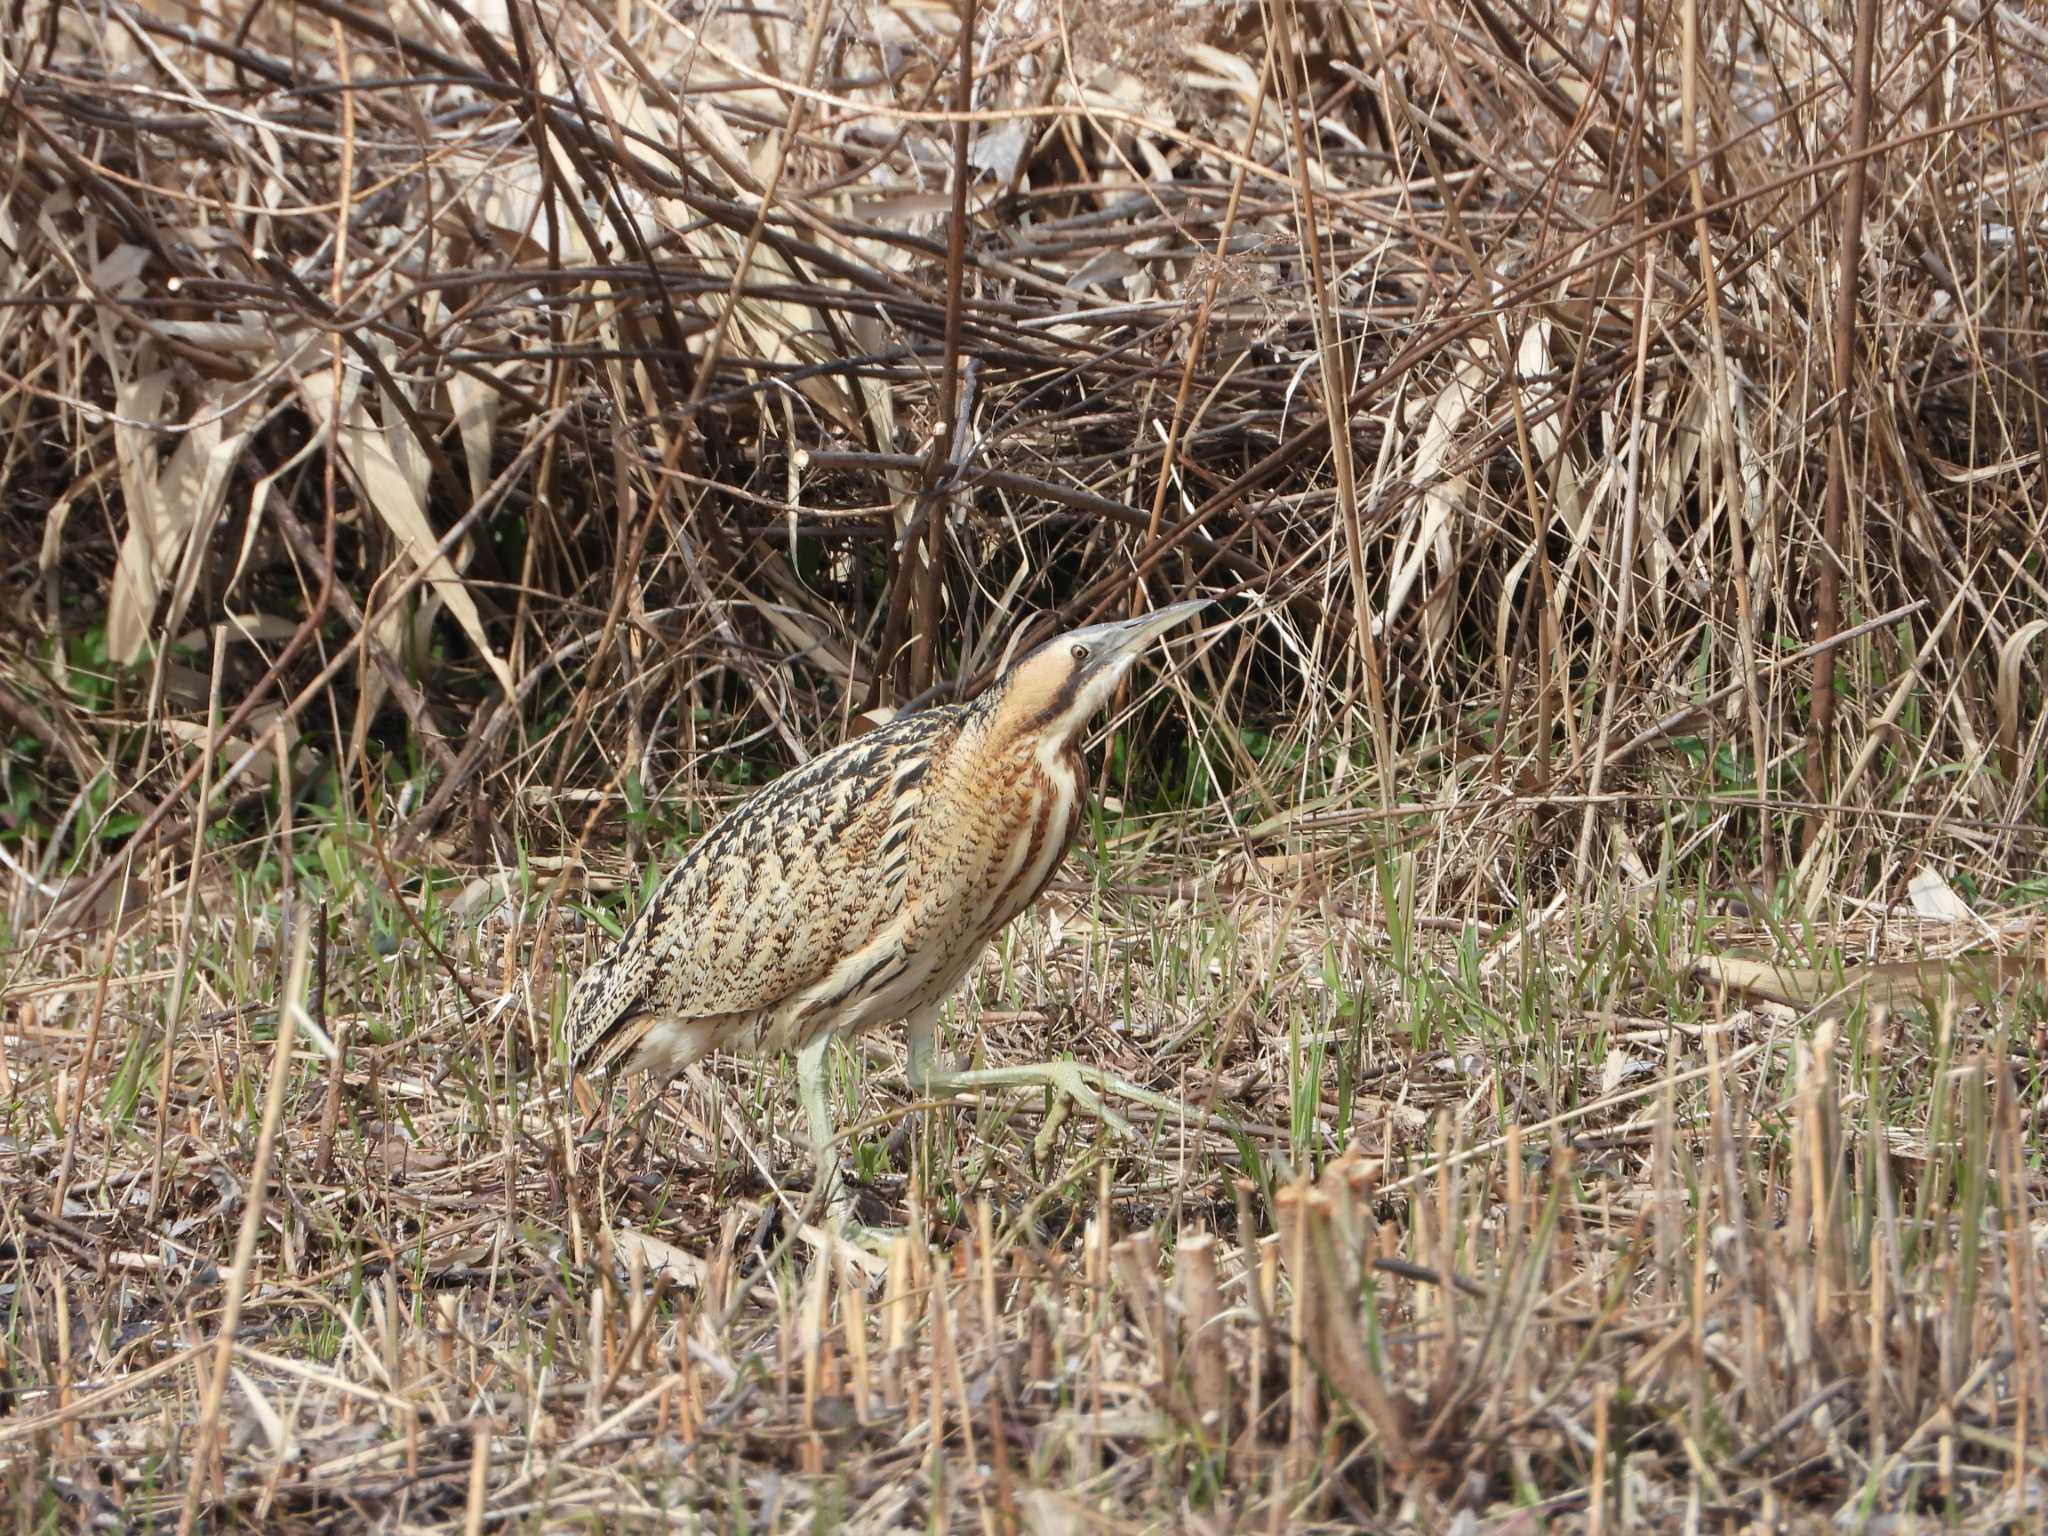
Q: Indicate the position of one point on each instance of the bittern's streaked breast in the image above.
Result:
(858, 889)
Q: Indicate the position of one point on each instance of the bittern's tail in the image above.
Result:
(620, 1046)
(652, 1042)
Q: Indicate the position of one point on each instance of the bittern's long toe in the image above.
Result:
(1084, 1086)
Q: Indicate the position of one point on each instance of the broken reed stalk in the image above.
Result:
(813, 1345)
(479, 1476)
(1135, 1261)
(1302, 1417)
(1322, 1238)
(1201, 1306)
(853, 1327)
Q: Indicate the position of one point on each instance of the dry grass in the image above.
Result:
(1705, 1264)
(1594, 861)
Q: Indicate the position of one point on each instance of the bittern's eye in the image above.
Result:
(1080, 653)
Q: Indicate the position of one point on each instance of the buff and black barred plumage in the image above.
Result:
(794, 907)
(858, 889)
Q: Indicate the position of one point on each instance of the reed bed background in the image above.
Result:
(1588, 872)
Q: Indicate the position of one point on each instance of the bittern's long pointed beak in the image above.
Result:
(1132, 635)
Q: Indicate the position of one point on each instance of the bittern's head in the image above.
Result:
(1054, 692)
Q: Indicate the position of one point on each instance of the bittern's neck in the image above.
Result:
(1012, 719)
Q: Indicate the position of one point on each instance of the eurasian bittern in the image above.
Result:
(858, 889)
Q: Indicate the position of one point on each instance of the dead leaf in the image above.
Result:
(171, 515)
(999, 150)
(267, 1417)
(1934, 898)
(2010, 655)
(1442, 496)
(475, 407)
(392, 475)
(1619, 1067)
(151, 543)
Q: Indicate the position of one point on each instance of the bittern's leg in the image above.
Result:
(922, 1031)
(810, 1082)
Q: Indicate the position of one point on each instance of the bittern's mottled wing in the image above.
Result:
(801, 875)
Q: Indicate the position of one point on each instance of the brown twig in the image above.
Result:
(950, 433)
(1848, 288)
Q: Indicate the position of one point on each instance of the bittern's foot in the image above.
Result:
(837, 1198)
(857, 1216)
(855, 1206)
(1071, 1084)
(871, 1239)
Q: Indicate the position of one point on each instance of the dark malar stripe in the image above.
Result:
(1062, 701)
